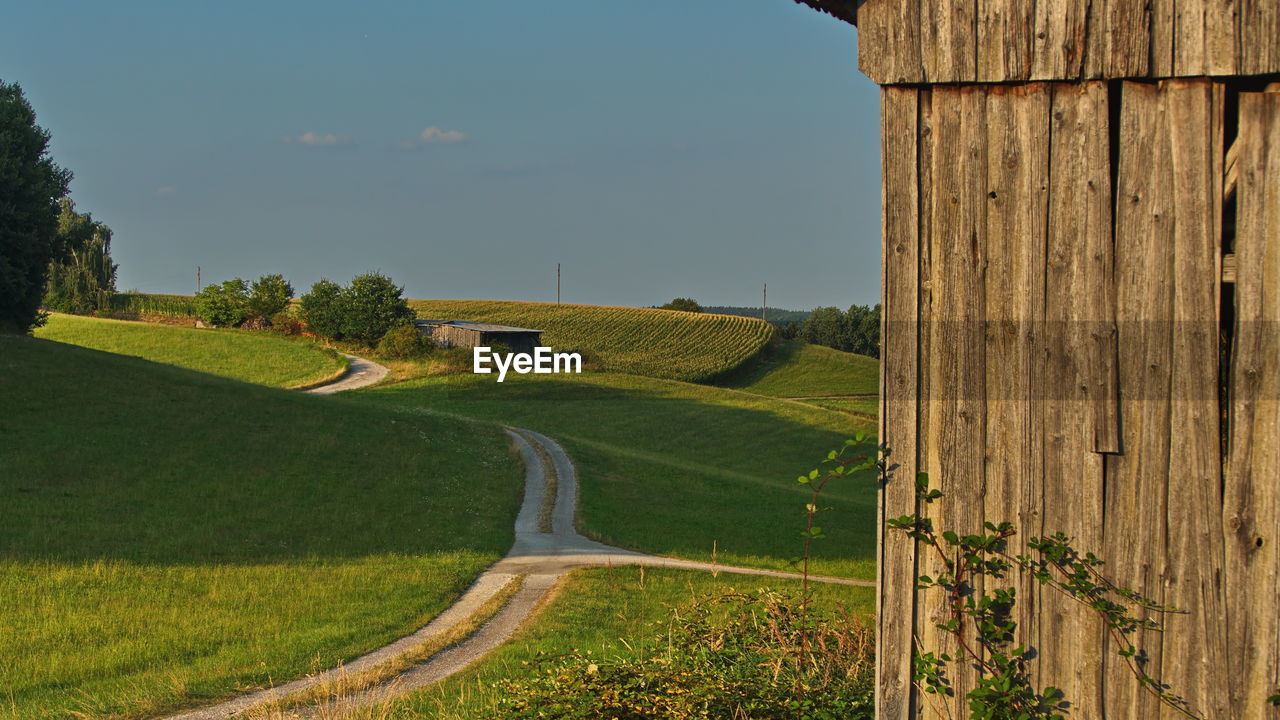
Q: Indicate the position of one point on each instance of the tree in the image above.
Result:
(269, 295)
(323, 308)
(30, 186)
(685, 304)
(374, 306)
(225, 305)
(82, 277)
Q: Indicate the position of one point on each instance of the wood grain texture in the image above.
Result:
(1252, 496)
(1004, 40)
(1195, 555)
(1017, 210)
(898, 396)
(889, 33)
(957, 377)
(1071, 641)
(1058, 43)
(1119, 38)
(1259, 37)
(1136, 498)
(948, 40)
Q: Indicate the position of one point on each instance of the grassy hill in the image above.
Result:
(796, 369)
(641, 341)
(255, 357)
(677, 468)
(171, 537)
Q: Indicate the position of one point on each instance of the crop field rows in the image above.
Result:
(642, 341)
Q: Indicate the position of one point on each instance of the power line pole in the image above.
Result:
(557, 283)
(197, 279)
(764, 303)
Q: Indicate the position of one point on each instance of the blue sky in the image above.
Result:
(655, 148)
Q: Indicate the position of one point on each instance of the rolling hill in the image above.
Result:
(693, 347)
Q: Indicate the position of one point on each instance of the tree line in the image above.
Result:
(856, 330)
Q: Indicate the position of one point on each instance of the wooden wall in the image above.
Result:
(1054, 335)
(951, 41)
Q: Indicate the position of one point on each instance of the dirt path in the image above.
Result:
(360, 373)
(538, 559)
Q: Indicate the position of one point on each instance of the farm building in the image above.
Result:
(1081, 288)
(464, 333)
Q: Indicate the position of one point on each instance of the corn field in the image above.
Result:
(148, 304)
(658, 343)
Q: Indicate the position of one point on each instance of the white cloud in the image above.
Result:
(435, 134)
(165, 191)
(318, 140)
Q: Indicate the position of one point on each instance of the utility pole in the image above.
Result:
(197, 279)
(764, 303)
(557, 283)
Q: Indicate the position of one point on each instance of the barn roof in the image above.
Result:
(846, 10)
(476, 326)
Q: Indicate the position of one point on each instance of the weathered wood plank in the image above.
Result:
(898, 396)
(1017, 210)
(1073, 475)
(1004, 40)
(1119, 39)
(924, 409)
(1252, 495)
(1058, 43)
(1259, 48)
(957, 402)
(889, 41)
(1162, 33)
(1135, 508)
(1204, 37)
(948, 40)
(1196, 665)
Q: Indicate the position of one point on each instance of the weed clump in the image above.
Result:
(732, 655)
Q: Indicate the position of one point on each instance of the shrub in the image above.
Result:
(404, 342)
(269, 296)
(374, 305)
(286, 323)
(363, 311)
(726, 656)
(323, 309)
(224, 305)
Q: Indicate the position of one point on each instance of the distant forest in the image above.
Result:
(776, 315)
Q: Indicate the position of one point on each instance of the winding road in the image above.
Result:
(538, 560)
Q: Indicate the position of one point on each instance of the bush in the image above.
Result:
(363, 311)
(286, 323)
(225, 305)
(323, 309)
(685, 304)
(404, 342)
(374, 306)
(729, 656)
(269, 296)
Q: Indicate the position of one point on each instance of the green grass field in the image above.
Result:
(675, 468)
(256, 357)
(169, 537)
(641, 341)
(793, 369)
(604, 612)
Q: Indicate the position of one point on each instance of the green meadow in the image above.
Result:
(255, 357)
(675, 468)
(170, 537)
